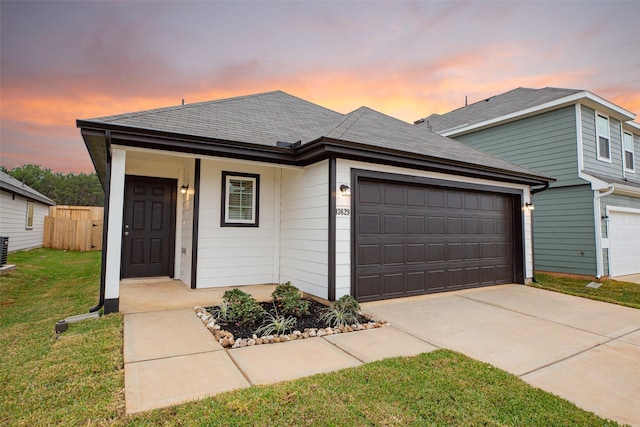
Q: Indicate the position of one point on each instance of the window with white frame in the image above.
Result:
(240, 195)
(29, 221)
(627, 143)
(602, 138)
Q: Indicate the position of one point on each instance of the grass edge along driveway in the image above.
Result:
(79, 378)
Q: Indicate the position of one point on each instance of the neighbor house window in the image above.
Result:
(240, 199)
(627, 142)
(29, 224)
(603, 140)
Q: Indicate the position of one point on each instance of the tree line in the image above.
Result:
(65, 189)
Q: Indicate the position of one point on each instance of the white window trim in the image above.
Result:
(253, 221)
(28, 225)
(598, 135)
(632, 169)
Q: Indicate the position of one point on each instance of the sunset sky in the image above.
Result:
(60, 61)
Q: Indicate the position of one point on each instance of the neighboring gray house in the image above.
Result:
(588, 221)
(270, 188)
(22, 212)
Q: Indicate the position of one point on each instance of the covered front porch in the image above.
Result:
(163, 293)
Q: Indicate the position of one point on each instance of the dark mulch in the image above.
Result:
(312, 320)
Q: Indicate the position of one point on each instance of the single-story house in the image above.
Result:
(22, 212)
(588, 221)
(271, 188)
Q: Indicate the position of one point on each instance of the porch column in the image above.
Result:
(114, 235)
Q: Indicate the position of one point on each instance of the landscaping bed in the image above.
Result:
(288, 317)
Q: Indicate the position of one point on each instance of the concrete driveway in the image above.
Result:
(585, 351)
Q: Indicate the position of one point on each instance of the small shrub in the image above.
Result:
(276, 325)
(287, 299)
(349, 303)
(223, 312)
(342, 312)
(336, 317)
(243, 309)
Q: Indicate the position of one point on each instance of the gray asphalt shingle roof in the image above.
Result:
(496, 106)
(12, 185)
(267, 118)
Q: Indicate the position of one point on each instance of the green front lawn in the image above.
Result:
(623, 293)
(79, 378)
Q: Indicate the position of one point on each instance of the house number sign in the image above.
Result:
(343, 211)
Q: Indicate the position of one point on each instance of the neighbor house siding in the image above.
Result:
(545, 143)
(563, 226)
(304, 204)
(13, 222)
(611, 169)
(234, 256)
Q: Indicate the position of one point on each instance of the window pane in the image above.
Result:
(29, 214)
(240, 199)
(628, 160)
(603, 126)
(628, 142)
(604, 147)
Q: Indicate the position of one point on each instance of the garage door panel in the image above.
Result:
(393, 284)
(416, 197)
(368, 224)
(455, 252)
(472, 251)
(393, 254)
(369, 255)
(454, 199)
(393, 224)
(416, 282)
(414, 239)
(454, 225)
(471, 201)
(472, 276)
(416, 253)
(436, 252)
(471, 226)
(436, 198)
(436, 225)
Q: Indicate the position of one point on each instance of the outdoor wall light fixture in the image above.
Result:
(529, 206)
(184, 189)
(345, 189)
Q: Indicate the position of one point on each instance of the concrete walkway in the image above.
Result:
(585, 351)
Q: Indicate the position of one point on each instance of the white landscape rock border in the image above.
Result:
(227, 340)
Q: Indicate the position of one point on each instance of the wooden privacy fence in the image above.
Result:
(76, 228)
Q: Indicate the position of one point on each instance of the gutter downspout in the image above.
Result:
(597, 195)
(533, 252)
(105, 222)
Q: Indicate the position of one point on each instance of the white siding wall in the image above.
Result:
(234, 256)
(185, 205)
(13, 221)
(343, 224)
(304, 228)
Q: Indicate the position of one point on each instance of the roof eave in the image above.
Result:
(305, 154)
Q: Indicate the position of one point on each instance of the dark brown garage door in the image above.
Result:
(417, 239)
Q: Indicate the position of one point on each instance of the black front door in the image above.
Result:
(148, 234)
